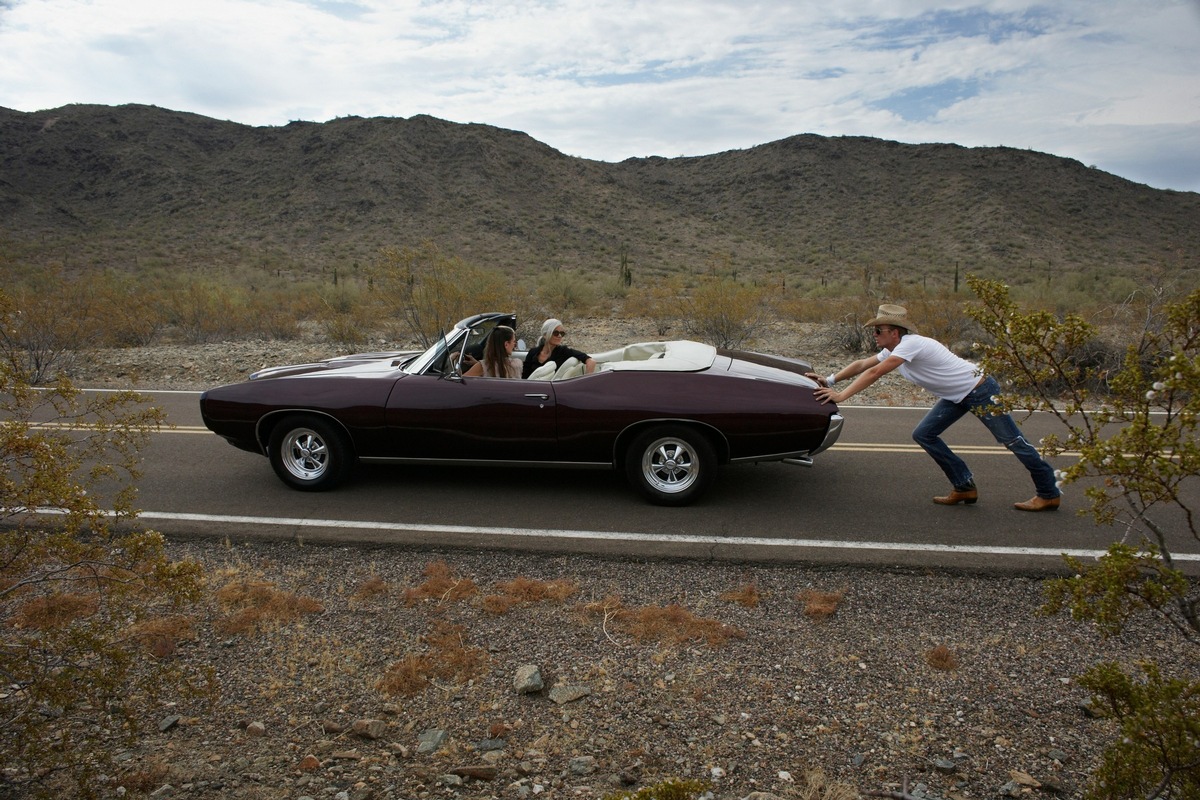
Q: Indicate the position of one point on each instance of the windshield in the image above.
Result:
(433, 360)
(466, 340)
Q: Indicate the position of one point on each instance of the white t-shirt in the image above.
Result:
(929, 364)
(514, 369)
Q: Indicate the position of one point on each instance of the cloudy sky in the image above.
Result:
(1112, 83)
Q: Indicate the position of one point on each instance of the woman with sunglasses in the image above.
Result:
(550, 347)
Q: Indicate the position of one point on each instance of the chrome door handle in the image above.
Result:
(539, 396)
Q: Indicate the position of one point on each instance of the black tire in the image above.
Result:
(310, 453)
(671, 465)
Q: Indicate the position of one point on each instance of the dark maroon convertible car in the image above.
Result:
(667, 413)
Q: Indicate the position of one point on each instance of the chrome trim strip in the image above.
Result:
(485, 462)
(771, 457)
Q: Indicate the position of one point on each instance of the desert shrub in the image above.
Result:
(204, 311)
(1141, 450)
(658, 301)
(277, 313)
(806, 304)
(84, 594)
(670, 789)
(564, 291)
(943, 317)
(849, 335)
(131, 310)
(430, 291)
(45, 325)
(346, 330)
(345, 316)
(723, 312)
(1159, 720)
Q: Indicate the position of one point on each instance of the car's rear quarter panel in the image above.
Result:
(753, 417)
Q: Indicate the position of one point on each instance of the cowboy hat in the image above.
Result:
(890, 314)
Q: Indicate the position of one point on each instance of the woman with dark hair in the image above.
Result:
(498, 360)
(550, 347)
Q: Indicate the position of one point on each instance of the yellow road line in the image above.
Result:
(969, 449)
(856, 447)
(79, 426)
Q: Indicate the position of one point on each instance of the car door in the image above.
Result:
(472, 419)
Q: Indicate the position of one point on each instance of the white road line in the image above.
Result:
(617, 536)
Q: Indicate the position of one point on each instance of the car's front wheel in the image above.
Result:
(671, 465)
(310, 453)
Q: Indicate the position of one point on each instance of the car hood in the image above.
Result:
(358, 363)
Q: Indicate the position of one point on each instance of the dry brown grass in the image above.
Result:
(406, 677)
(447, 657)
(255, 604)
(161, 635)
(671, 624)
(819, 786)
(746, 595)
(942, 657)
(441, 585)
(820, 605)
(370, 589)
(523, 591)
(56, 610)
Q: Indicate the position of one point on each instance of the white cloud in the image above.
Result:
(609, 79)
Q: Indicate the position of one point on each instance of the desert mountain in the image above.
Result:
(87, 186)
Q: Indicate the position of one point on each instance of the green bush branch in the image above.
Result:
(74, 586)
(1137, 441)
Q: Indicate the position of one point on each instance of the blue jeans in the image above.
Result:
(979, 402)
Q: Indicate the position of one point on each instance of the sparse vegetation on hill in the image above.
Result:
(160, 192)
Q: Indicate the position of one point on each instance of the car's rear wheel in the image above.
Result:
(671, 465)
(310, 453)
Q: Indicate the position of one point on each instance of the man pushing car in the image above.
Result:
(961, 388)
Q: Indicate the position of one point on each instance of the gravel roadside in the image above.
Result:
(948, 683)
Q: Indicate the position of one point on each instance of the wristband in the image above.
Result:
(832, 379)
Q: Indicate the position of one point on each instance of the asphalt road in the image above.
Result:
(865, 501)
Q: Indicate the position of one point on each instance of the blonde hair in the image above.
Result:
(548, 328)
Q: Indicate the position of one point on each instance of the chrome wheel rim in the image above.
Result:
(670, 466)
(305, 454)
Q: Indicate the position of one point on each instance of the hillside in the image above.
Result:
(143, 186)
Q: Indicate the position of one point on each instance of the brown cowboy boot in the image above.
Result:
(959, 494)
(1038, 504)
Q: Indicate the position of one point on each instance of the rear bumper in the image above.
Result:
(831, 435)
